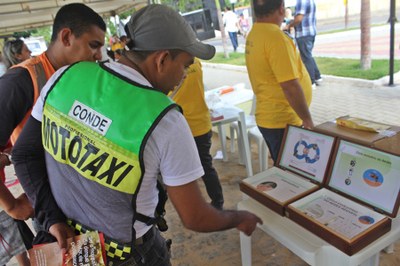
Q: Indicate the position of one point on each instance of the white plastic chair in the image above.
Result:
(255, 134)
(250, 122)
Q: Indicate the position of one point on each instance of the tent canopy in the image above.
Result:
(20, 15)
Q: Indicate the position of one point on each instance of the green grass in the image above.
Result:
(351, 68)
(234, 59)
(328, 66)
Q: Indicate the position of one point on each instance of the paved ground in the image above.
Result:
(346, 44)
(343, 44)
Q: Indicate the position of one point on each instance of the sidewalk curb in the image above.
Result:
(378, 83)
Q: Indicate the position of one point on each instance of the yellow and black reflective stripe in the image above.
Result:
(113, 249)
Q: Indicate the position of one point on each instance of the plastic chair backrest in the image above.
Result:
(253, 105)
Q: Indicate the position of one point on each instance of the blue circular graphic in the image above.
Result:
(305, 151)
(373, 177)
(366, 219)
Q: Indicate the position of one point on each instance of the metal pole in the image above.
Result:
(392, 21)
(346, 14)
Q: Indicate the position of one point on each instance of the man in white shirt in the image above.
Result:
(103, 175)
(231, 23)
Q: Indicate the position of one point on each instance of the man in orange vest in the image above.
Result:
(78, 35)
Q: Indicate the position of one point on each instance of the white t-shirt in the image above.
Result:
(169, 151)
(230, 21)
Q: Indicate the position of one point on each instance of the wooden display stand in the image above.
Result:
(343, 240)
(302, 167)
(360, 191)
(387, 140)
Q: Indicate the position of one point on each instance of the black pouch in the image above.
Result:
(26, 233)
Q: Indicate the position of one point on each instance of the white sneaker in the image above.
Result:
(314, 87)
(318, 81)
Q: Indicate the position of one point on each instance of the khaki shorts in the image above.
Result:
(11, 243)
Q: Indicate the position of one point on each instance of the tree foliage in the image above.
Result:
(43, 31)
(191, 5)
(183, 5)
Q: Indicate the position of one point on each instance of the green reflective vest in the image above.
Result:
(98, 123)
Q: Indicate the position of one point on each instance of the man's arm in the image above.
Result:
(16, 99)
(30, 167)
(197, 215)
(18, 208)
(296, 21)
(295, 96)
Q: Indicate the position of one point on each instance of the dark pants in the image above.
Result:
(273, 137)
(153, 252)
(234, 39)
(210, 178)
(306, 45)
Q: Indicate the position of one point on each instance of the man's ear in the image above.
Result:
(65, 36)
(161, 57)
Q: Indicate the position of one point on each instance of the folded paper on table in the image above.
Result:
(215, 115)
(361, 124)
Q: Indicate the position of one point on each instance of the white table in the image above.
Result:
(238, 95)
(231, 114)
(308, 246)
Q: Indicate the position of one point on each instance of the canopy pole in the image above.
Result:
(392, 21)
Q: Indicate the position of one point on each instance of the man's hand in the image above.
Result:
(22, 208)
(61, 231)
(4, 161)
(308, 124)
(197, 215)
(249, 222)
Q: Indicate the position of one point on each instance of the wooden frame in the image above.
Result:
(349, 245)
(292, 178)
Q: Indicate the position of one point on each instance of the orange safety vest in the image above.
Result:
(40, 70)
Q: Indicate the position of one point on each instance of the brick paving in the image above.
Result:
(346, 44)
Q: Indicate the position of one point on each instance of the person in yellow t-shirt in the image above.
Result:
(190, 96)
(278, 77)
(119, 43)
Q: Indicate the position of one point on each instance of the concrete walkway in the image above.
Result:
(343, 44)
(336, 96)
(346, 44)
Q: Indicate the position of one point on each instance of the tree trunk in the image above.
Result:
(222, 29)
(365, 62)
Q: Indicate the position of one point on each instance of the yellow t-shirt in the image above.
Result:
(117, 46)
(272, 58)
(190, 96)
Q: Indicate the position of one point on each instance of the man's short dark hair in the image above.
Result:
(264, 8)
(78, 18)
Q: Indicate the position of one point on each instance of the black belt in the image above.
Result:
(144, 238)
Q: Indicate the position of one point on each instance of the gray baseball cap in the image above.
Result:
(159, 27)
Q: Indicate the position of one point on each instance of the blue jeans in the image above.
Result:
(234, 39)
(210, 178)
(306, 45)
(273, 137)
(153, 252)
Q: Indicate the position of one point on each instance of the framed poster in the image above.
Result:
(306, 153)
(368, 175)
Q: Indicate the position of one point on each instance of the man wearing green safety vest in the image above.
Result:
(108, 131)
